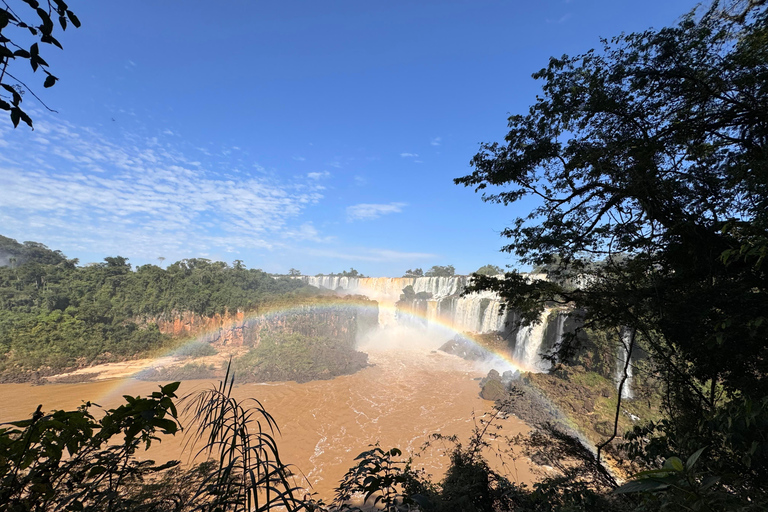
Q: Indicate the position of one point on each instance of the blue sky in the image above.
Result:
(319, 135)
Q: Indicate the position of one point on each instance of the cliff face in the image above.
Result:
(342, 319)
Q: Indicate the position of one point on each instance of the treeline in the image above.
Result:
(56, 314)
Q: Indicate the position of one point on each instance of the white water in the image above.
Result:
(446, 305)
(528, 345)
(621, 360)
(477, 312)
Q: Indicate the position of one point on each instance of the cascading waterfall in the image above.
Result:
(446, 305)
(478, 312)
(621, 360)
(528, 345)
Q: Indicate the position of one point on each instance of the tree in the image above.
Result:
(440, 271)
(294, 272)
(489, 270)
(649, 160)
(414, 273)
(15, 35)
(69, 460)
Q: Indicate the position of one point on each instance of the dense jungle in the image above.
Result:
(633, 349)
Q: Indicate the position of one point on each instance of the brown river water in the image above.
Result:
(409, 392)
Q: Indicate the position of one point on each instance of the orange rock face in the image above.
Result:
(344, 321)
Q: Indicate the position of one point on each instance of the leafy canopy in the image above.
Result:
(22, 28)
(649, 163)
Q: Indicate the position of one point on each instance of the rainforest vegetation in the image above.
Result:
(649, 158)
(55, 314)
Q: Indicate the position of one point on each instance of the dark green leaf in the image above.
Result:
(674, 464)
(644, 485)
(693, 458)
(169, 389)
(74, 19)
(49, 81)
(16, 96)
(47, 26)
(47, 38)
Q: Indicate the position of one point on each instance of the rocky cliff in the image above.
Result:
(342, 318)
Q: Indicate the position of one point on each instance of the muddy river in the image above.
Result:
(409, 392)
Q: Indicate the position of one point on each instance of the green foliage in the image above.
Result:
(195, 349)
(181, 373)
(248, 474)
(648, 161)
(66, 460)
(576, 481)
(293, 356)
(414, 273)
(489, 270)
(344, 273)
(632, 154)
(69, 460)
(55, 314)
(381, 477)
(441, 271)
(19, 28)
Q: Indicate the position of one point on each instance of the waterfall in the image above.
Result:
(528, 345)
(621, 359)
(477, 312)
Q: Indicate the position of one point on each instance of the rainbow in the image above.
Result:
(320, 306)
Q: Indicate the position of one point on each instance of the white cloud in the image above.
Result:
(139, 198)
(306, 231)
(409, 155)
(318, 175)
(436, 141)
(299, 158)
(372, 211)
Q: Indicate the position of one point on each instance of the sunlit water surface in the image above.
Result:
(409, 392)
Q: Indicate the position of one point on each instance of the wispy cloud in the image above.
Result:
(299, 158)
(436, 141)
(409, 155)
(372, 211)
(318, 175)
(138, 196)
(306, 231)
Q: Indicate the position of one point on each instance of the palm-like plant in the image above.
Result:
(240, 437)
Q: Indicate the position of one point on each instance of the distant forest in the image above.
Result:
(55, 314)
